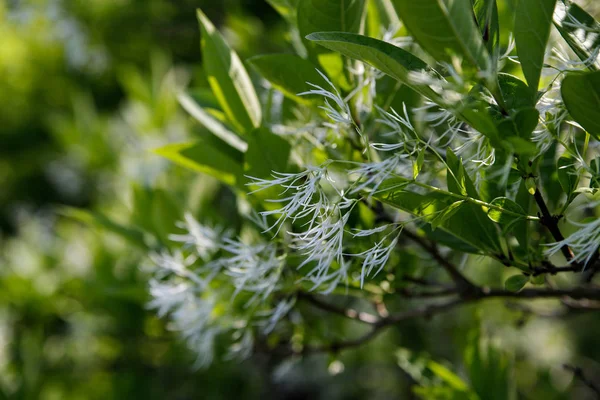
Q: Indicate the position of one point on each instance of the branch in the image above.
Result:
(380, 324)
(578, 373)
(551, 222)
(548, 268)
(464, 286)
(344, 312)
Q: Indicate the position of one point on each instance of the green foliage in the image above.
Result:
(228, 79)
(383, 161)
(533, 20)
(580, 94)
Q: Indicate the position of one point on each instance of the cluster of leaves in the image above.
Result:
(398, 138)
(395, 121)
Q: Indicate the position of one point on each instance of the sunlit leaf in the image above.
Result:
(533, 19)
(581, 94)
(228, 78)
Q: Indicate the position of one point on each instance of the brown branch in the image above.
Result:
(548, 268)
(344, 312)
(380, 324)
(464, 286)
(578, 373)
(551, 222)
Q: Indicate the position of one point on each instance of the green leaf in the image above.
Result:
(418, 164)
(486, 14)
(581, 94)
(595, 170)
(266, 153)
(532, 30)
(228, 78)
(212, 124)
(206, 157)
(448, 212)
(501, 216)
(288, 73)
(567, 177)
(285, 8)
(329, 16)
(467, 222)
(445, 28)
(515, 92)
(457, 179)
(583, 42)
(384, 56)
(516, 282)
(447, 376)
(522, 228)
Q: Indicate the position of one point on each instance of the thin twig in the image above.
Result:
(345, 312)
(464, 285)
(551, 222)
(578, 373)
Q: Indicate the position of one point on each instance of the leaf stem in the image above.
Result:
(475, 201)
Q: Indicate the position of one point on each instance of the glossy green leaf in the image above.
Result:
(288, 73)
(515, 92)
(502, 217)
(228, 78)
(212, 124)
(206, 157)
(384, 56)
(533, 19)
(516, 282)
(581, 94)
(448, 212)
(266, 153)
(580, 30)
(467, 221)
(445, 28)
(329, 16)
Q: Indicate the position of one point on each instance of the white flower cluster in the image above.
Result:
(584, 241)
(181, 288)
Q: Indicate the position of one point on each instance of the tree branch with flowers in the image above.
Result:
(382, 167)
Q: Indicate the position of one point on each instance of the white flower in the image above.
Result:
(205, 239)
(190, 315)
(374, 174)
(275, 315)
(252, 268)
(342, 114)
(322, 244)
(584, 241)
(375, 258)
(306, 199)
(167, 264)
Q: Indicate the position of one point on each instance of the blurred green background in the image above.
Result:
(87, 89)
